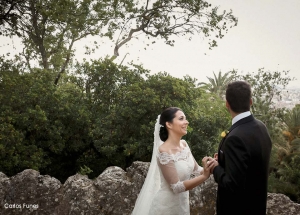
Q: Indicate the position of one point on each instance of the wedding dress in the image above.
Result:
(163, 192)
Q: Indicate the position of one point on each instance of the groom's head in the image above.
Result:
(238, 96)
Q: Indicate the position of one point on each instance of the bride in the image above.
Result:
(165, 190)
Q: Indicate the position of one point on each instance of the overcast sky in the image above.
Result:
(267, 35)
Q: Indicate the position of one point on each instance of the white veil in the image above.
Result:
(152, 181)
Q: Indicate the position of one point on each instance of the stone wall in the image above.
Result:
(112, 193)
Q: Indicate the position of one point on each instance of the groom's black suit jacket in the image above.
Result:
(242, 174)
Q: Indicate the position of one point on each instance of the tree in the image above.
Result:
(266, 86)
(59, 116)
(286, 173)
(102, 115)
(49, 29)
(124, 104)
(207, 120)
(168, 18)
(292, 122)
(287, 180)
(218, 84)
(10, 13)
(291, 133)
(42, 126)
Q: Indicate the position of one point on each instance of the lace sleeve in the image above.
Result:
(167, 166)
(198, 170)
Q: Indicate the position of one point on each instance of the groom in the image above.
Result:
(242, 163)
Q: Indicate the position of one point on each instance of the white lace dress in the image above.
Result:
(172, 198)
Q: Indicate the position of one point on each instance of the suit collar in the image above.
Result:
(242, 121)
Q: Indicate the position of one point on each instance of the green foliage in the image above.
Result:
(102, 114)
(292, 121)
(85, 170)
(41, 124)
(266, 86)
(124, 103)
(10, 13)
(286, 158)
(208, 119)
(98, 116)
(287, 180)
(61, 120)
(285, 187)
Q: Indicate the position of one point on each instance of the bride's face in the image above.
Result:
(179, 124)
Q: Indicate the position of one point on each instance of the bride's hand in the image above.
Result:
(207, 163)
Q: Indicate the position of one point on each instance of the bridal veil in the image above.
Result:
(152, 181)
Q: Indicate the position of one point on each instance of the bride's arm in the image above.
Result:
(198, 170)
(194, 182)
(169, 172)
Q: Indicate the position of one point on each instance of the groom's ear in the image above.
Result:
(227, 104)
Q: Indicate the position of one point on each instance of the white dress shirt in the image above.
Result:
(240, 116)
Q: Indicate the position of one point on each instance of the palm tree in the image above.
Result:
(218, 84)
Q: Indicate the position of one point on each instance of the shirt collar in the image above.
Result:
(240, 116)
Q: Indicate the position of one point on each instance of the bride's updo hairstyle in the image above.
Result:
(166, 116)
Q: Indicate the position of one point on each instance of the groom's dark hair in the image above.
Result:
(238, 95)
